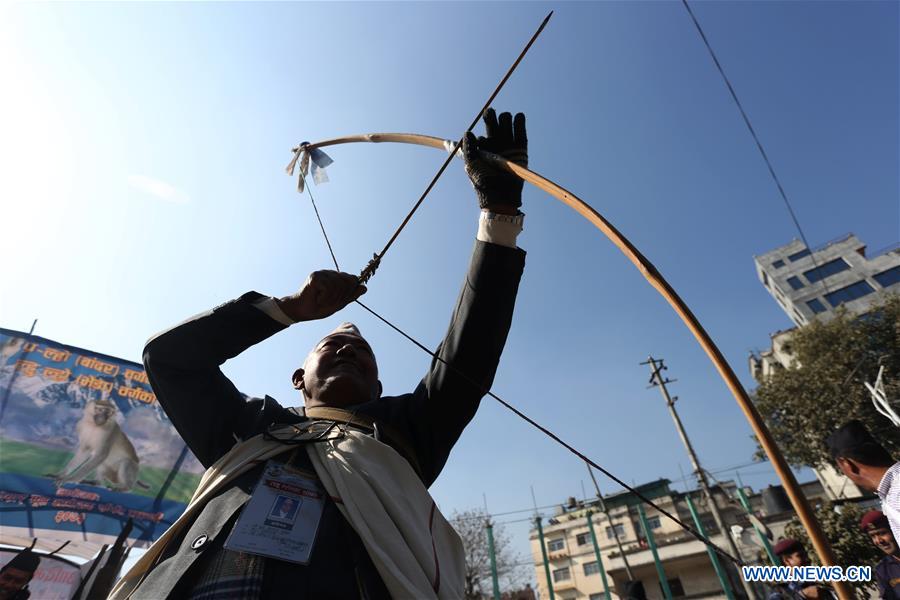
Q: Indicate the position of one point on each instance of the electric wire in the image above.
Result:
(734, 468)
(756, 139)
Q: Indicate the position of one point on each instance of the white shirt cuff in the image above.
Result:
(271, 308)
(494, 228)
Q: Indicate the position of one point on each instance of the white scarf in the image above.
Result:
(416, 551)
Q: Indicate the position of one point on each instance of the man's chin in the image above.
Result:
(342, 392)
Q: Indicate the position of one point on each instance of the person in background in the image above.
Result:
(793, 554)
(869, 466)
(17, 574)
(887, 572)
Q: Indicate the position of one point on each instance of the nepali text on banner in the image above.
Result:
(84, 445)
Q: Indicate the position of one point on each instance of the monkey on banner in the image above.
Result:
(331, 501)
(102, 448)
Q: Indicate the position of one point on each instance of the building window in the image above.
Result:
(561, 574)
(583, 538)
(591, 568)
(653, 522)
(816, 306)
(620, 530)
(799, 317)
(795, 282)
(822, 271)
(597, 596)
(889, 277)
(675, 586)
(765, 278)
(851, 292)
(556, 545)
(798, 255)
(778, 264)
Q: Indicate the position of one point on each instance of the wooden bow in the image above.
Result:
(653, 276)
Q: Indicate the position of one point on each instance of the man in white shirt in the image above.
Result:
(869, 466)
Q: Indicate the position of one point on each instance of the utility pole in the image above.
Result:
(658, 380)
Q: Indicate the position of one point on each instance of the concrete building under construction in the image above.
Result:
(810, 284)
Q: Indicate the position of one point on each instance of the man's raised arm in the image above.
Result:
(183, 363)
(449, 396)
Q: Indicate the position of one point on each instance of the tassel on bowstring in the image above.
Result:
(301, 155)
(320, 160)
(304, 154)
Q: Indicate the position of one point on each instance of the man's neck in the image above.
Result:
(877, 476)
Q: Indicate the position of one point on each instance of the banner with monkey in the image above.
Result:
(84, 445)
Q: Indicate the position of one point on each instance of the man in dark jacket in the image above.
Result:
(340, 373)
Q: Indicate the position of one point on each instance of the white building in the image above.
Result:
(807, 284)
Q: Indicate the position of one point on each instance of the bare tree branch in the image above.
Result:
(471, 527)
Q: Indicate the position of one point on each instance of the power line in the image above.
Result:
(531, 509)
(759, 145)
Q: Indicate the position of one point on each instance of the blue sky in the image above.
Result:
(142, 181)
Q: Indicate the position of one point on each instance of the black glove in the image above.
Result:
(496, 187)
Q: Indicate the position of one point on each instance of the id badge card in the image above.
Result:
(282, 516)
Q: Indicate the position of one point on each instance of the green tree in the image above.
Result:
(851, 545)
(823, 389)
